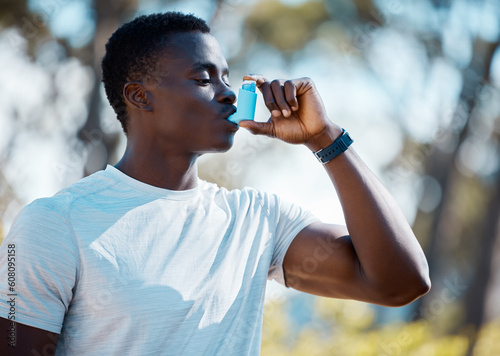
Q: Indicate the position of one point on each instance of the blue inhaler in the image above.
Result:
(247, 99)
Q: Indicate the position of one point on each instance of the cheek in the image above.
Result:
(189, 115)
(190, 107)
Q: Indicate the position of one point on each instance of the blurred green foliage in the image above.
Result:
(287, 28)
(488, 340)
(348, 328)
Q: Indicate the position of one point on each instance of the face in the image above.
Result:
(190, 96)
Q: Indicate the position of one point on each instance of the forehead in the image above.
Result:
(185, 50)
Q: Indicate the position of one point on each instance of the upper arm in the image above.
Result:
(20, 339)
(321, 260)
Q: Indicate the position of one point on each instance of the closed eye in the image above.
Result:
(203, 81)
(208, 81)
(225, 80)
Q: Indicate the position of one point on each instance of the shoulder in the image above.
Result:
(262, 203)
(246, 197)
(90, 185)
(41, 227)
(46, 224)
(54, 210)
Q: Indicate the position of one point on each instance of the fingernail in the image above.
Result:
(275, 113)
(294, 108)
(286, 113)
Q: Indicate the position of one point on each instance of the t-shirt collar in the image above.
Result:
(139, 186)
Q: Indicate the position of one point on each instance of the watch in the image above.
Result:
(338, 146)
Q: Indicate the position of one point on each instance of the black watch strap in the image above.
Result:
(338, 146)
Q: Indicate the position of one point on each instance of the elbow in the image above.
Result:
(409, 294)
(409, 291)
(424, 285)
(409, 284)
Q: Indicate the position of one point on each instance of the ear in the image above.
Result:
(136, 95)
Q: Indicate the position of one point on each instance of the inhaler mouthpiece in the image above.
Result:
(247, 99)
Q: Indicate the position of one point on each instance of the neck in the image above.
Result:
(172, 170)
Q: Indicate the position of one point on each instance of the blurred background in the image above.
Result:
(416, 83)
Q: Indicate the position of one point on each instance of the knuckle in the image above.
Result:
(265, 87)
(272, 131)
(276, 83)
(308, 81)
(270, 105)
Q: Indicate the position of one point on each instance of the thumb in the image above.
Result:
(257, 128)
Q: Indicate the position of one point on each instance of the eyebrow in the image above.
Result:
(208, 66)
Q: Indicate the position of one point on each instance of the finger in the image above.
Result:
(257, 128)
(258, 78)
(279, 97)
(267, 95)
(291, 95)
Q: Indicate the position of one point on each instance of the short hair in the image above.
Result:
(132, 50)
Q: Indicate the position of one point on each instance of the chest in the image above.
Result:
(195, 264)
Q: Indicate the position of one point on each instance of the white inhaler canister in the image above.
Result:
(247, 99)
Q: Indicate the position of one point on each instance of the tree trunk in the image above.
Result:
(101, 145)
(475, 300)
(441, 166)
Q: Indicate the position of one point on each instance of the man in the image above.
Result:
(146, 259)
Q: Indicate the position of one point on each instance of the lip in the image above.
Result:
(233, 127)
(226, 118)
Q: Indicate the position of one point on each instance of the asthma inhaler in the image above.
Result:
(247, 99)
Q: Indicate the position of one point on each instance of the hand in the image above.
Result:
(298, 115)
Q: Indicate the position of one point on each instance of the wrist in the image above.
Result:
(324, 138)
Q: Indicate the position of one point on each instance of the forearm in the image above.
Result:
(389, 255)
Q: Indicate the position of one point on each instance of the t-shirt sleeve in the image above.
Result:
(290, 219)
(38, 262)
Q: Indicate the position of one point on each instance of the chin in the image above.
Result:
(220, 147)
(223, 148)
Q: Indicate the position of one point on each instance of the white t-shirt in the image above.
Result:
(119, 267)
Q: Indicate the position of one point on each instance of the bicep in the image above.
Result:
(20, 339)
(321, 260)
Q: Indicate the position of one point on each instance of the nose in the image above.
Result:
(226, 95)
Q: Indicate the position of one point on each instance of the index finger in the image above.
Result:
(258, 78)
